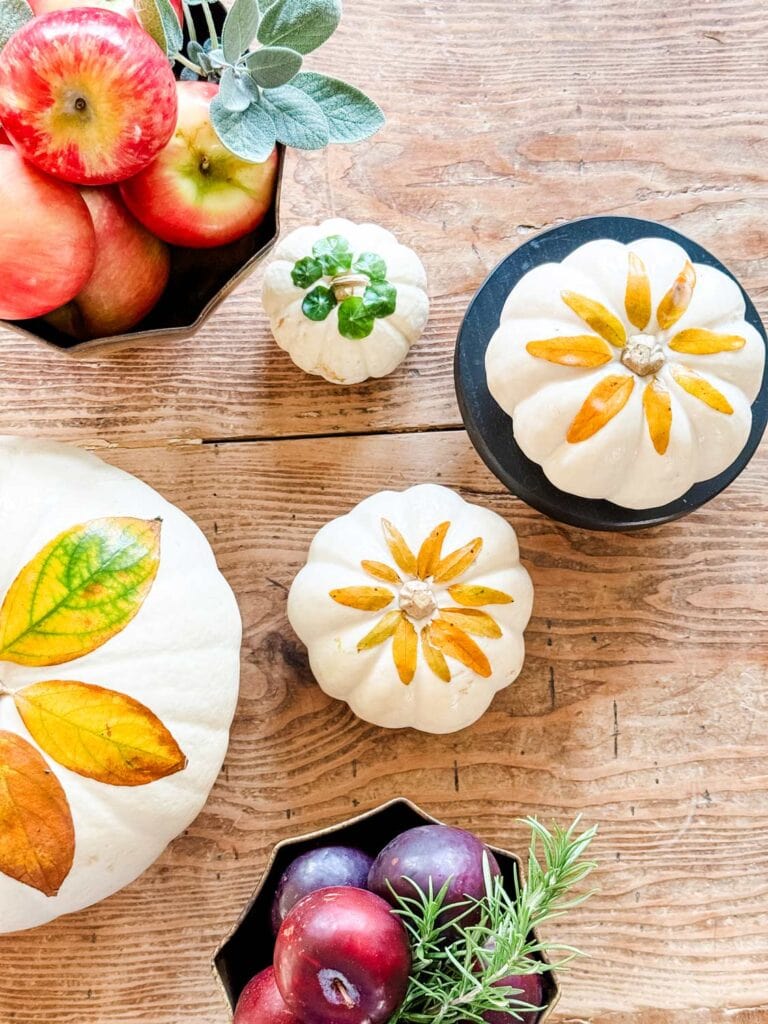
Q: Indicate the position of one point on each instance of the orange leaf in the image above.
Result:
(430, 551)
(98, 733)
(455, 643)
(382, 631)
(605, 400)
(658, 414)
(596, 316)
(402, 554)
(364, 599)
(458, 561)
(37, 836)
(581, 350)
(475, 596)
(703, 390)
(472, 620)
(637, 297)
(381, 571)
(697, 342)
(678, 298)
(434, 658)
(405, 649)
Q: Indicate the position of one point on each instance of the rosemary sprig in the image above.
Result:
(458, 963)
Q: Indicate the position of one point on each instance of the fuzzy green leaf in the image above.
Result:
(372, 265)
(351, 115)
(13, 15)
(355, 320)
(306, 271)
(159, 19)
(301, 24)
(318, 303)
(273, 66)
(249, 134)
(298, 120)
(380, 299)
(237, 91)
(240, 28)
(334, 254)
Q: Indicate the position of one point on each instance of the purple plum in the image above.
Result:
(318, 869)
(530, 991)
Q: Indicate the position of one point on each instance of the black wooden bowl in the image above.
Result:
(490, 428)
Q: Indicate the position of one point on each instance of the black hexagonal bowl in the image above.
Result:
(248, 947)
(491, 430)
(200, 278)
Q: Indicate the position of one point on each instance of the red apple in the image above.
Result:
(47, 240)
(124, 7)
(4, 140)
(196, 193)
(86, 95)
(261, 1002)
(129, 276)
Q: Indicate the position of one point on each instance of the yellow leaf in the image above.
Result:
(434, 658)
(404, 650)
(475, 596)
(703, 390)
(82, 588)
(658, 414)
(472, 620)
(364, 599)
(595, 315)
(455, 643)
(381, 571)
(37, 836)
(605, 400)
(430, 551)
(99, 733)
(637, 298)
(402, 554)
(382, 631)
(580, 350)
(458, 561)
(678, 298)
(697, 342)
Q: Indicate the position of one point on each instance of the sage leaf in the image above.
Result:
(236, 91)
(372, 265)
(301, 24)
(380, 298)
(273, 66)
(199, 55)
(333, 253)
(318, 303)
(298, 120)
(351, 115)
(306, 271)
(188, 75)
(159, 19)
(249, 134)
(240, 28)
(355, 319)
(13, 15)
(216, 58)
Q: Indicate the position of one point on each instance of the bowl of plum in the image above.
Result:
(395, 918)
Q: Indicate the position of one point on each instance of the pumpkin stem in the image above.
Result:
(643, 355)
(344, 286)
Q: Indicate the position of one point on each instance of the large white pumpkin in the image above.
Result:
(412, 607)
(628, 370)
(105, 756)
(346, 301)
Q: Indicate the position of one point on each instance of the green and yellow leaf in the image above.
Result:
(472, 620)
(454, 643)
(637, 297)
(657, 405)
(678, 298)
(37, 835)
(402, 554)
(363, 599)
(82, 588)
(703, 390)
(381, 571)
(606, 399)
(434, 658)
(99, 733)
(405, 650)
(595, 315)
(581, 350)
(698, 342)
(382, 631)
(476, 595)
(430, 552)
(453, 565)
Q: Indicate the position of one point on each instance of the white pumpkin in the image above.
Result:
(629, 371)
(412, 607)
(119, 667)
(346, 301)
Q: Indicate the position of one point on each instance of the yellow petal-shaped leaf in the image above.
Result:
(99, 733)
(434, 658)
(580, 350)
(678, 298)
(472, 620)
(364, 599)
(637, 297)
(476, 595)
(455, 643)
(382, 631)
(82, 588)
(595, 315)
(381, 571)
(37, 836)
(430, 552)
(697, 342)
(605, 400)
(703, 390)
(402, 554)
(657, 405)
(453, 565)
(405, 649)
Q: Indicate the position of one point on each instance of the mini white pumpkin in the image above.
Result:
(346, 301)
(412, 607)
(628, 370)
(117, 689)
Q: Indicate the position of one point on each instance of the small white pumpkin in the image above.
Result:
(346, 301)
(119, 668)
(628, 370)
(412, 607)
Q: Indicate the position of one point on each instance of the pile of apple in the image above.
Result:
(342, 955)
(105, 160)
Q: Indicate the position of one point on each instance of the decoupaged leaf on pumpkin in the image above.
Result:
(37, 836)
(81, 589)
(99, 733)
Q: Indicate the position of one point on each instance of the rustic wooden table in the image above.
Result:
(644, 698)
